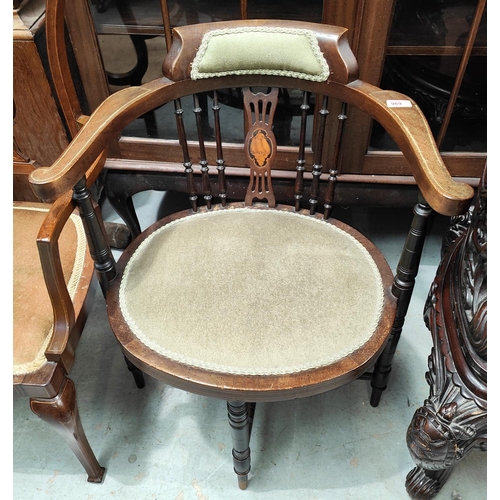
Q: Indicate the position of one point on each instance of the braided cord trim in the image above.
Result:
(257, 56)
(227, 367)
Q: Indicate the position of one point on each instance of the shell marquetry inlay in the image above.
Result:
(260, 147)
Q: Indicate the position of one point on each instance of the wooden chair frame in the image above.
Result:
(395, 112)
(52, 393)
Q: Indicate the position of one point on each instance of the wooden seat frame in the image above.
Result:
(397, 113)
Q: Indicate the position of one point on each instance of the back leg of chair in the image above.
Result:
(404, 282)
(240, 416)
(137, 374)
(61, 412)
(117, 187)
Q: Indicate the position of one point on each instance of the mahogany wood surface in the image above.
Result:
(56, 44)
(62, 413)
(369, 25)
(52, 394)
(405, 123)
(407, 126)
(452, 422)
(38, 129)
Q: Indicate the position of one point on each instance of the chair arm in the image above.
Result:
(48, 250)
(407, 125)
(86, 150)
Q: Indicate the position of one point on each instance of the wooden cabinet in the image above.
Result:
(436, 53)
(400, 44)
(39, 133)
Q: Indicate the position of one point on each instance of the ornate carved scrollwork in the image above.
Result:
(452, 421)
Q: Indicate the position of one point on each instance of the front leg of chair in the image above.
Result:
(62, 413)
(240, 422)
(402, 289)
(100, 251)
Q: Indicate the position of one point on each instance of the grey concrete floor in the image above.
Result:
(164, 443)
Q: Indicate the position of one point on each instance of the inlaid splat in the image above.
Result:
(260, 144)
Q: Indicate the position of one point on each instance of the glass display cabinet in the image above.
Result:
(432, 50)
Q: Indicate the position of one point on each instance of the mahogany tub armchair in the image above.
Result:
(249, 300)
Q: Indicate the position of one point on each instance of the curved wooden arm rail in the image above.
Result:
(406, 123)
(295, 302)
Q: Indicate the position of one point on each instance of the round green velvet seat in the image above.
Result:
(244, 292)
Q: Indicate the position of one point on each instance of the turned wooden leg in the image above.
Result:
(62, 413)
(404, 282)
(240, 422)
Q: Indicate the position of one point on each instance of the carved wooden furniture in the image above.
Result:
(53, 282)
(452, 422)
(244, 300)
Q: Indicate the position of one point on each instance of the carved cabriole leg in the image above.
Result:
(453, 420)
(404, 282)
(240, 422)
(100, 251)
(442, 432)
(62, 413)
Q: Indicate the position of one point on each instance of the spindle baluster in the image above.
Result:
(301, 162)
(220, 159)
(188, 166)
(205, 179)
(332, 179)
(318, 153)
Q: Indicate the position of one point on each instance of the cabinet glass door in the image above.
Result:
(437, 56)
(135, 35)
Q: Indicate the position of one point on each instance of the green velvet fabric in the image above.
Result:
(33, 316)
(248, 291)
(264, 50)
